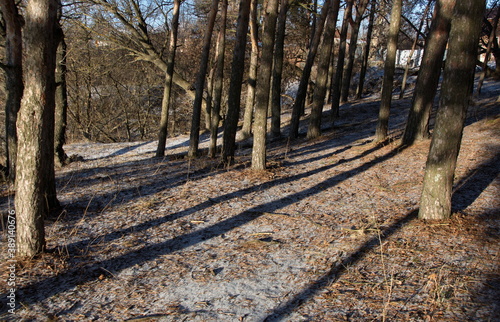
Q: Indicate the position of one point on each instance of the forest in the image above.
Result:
(250, 160)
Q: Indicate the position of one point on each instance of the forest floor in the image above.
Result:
(328, 233)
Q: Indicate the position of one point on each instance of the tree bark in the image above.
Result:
(264, 86)
(298, 106)
(417, 126)
(36, 128)
(234, 96)
(246, 130)
(218, 81)
(325, 52)
(169, 78)
(456, 90)
(389, 68)
(61, 109)
(194, 138)
(14, 81)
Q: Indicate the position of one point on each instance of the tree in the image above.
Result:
(36, 127)
(194, 137)
(14, 80)
(61, 109)
(456, 92)
(264, 85)
(417, 125)
(325, 51)
(234, 96)
(169, 78)
(366, 50)
(389, 68)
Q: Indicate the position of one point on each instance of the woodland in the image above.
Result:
(250, 160)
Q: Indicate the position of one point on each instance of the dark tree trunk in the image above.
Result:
(389, 68)
(491, 41)
(169, 76)
(35, 184)
(325, 51)
(264, 86)
(278, 70)
(417, 126)
(61, 112)
(366, 50)
(456, 90)
(13, 82)
(234, 96)
(194, 138)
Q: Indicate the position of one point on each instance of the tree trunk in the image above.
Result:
(36, 128)
(246, 130)
(194, 138)
(218, 81)
(61, 111)
(169, 77)
(234, 96)
(366, 50)
(325, 52)
(278, 70)
(491, 41)
(389, 68)
(264, 86)
(353, 44)
(298, 106)
(13, 82)
(337, 80)
(417, 126)
(456, 90)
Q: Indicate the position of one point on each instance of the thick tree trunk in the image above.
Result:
(456, 90)
(34, 187)
(169, 78)
(325, 51)
(264, 86)
(234, 96)
(13, 82)
(366, 50)
(417, 126)
(218, 81)
(389, 68)
(61, 112)
(246, 130)
(298, 106)
(278, 70)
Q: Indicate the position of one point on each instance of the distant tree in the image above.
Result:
(417, 125)
(456, 90)
(264, 86)
(366, 50)
(61, 107)
(169, 78)
(492, 46)
(194, 137)
(35, 190)
(389, 69)
(325, 51)
(13, 68)
(234, 96)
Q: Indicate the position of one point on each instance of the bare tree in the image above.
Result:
(366, 50)
(61, 107)
(35, 165)
(456, 90)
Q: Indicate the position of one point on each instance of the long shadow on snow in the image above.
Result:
(46, 288)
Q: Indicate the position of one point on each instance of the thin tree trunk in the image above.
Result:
(194, 138)
(246, 130)
(278, 70)
(234, 96)
(325, 52)
(298, 106)
(417, 126)
(337, 80)
(169, 76)
(346, 80)
(218, 81)
(264, 86)
(366, 50)
(456, 90)
(491, 40)
(61, 111)
(36, 128)
(13, 82)
(390, 66)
